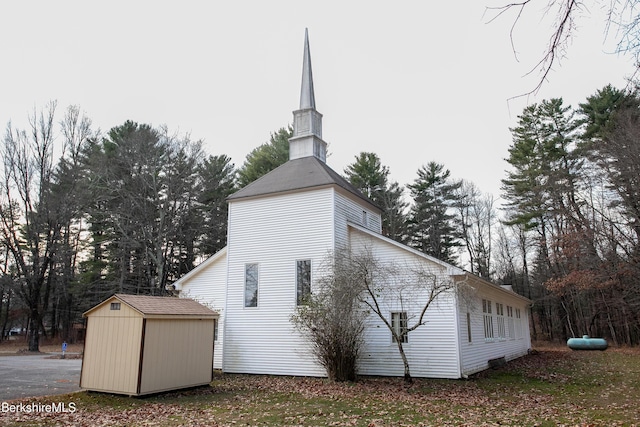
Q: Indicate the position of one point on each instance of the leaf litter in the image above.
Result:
(552, 387)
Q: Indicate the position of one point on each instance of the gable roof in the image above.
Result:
(161, 306)
(298, 174)
(452, 270)
(201, 267)
(449, 268)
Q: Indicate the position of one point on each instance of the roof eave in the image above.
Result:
(466, 275)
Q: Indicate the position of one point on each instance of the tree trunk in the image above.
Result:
(407, 374)
(34, 330)
(7, 306)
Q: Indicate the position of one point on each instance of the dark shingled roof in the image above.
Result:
(149, 305)
(298, 174)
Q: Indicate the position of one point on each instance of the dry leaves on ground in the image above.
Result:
(550, 388)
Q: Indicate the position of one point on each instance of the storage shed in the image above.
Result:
(138, 345)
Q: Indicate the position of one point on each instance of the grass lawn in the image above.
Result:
(551, 388)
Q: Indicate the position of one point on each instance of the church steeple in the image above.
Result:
(307, 97)
(307, 121)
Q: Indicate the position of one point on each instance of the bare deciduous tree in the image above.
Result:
(477, 217)
(29, 224)
(333, 319)
(407, 290)
(622, 19)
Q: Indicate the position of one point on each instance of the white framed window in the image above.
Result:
(518, 324)
(399, 326)
(487, 320)
(215, 330)
(114, 306)
(469, 336)
(500, 320)
(303, 280)
(510, 323)
(251, 285)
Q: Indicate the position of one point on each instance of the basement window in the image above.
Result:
(115, 306)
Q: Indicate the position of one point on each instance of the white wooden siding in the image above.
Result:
(477, 353)
(274, 232)
(349, 209)
(432, 349)
(208, 286)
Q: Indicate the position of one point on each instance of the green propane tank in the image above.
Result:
(586, 343)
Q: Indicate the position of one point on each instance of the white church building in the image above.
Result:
(281, 228)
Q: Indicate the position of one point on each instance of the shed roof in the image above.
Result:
(162, 306)
(298, 174)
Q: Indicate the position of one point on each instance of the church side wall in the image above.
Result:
(273, 232)
(209, 288)
(511, 337)
(432, 349)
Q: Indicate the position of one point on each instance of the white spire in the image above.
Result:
(307, 121)
(307, 97)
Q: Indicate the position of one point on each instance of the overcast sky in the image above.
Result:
(410, 81)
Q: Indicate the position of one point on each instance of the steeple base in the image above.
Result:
(307, 146)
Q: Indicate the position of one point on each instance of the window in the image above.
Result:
(518, 324)
(215, 330)
(303, 281)
(488, 320)
(468, 326)
(500, 318)
(251, 285)
(511, 324)
(399, 325)
(115, 306)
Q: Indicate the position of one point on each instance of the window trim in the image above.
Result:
(402, 317)
(487, 320)
(300, 298)
(510, 323)
(500, 320)
(519, 333)
(257, 284)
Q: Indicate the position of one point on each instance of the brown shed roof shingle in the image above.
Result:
(149, 305)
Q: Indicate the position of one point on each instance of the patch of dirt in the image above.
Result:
(66, 356)
(46, 346)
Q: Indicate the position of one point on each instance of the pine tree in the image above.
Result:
(218, 182)
(368, 175)
(432, 225)
(266, 157)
